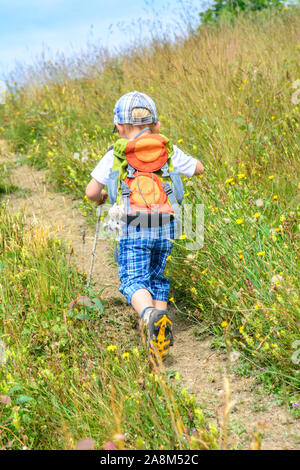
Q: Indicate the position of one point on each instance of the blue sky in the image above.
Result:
(27, 27)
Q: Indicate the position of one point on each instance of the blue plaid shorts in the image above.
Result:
(142, 259)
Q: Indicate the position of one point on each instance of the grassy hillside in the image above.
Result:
(224, 95)
(71, 368)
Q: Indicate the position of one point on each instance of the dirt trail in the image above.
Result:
(202, 368)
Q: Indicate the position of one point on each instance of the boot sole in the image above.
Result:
(160, 346)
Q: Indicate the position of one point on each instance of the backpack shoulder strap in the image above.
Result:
(169, 145)
(118, 170)
(119, 148)
(168, 171)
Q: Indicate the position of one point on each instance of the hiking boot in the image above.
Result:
(159, 331)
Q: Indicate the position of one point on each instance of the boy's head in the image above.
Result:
(133, 112)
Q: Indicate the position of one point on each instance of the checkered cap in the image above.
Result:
(134, 99)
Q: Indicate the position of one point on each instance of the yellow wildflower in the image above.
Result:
(229, 180)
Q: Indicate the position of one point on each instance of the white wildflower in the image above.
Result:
(234, 356)
(275, 280)
(259, 203)
(255, 71)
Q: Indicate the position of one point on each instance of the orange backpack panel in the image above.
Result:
(147, 194)
(147, 153)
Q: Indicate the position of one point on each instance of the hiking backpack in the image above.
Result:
(143, 177)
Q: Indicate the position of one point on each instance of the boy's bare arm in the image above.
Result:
(199, 168)
(95, 192)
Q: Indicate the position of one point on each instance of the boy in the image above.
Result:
(144, 248)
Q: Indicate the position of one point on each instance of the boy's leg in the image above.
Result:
(162, 324)
(160, 284)
(160, 304)
(134, 272)
(141, 299)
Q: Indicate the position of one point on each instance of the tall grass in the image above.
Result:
(70, 371)
(224, 94)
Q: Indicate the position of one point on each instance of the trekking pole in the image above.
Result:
(99, 213)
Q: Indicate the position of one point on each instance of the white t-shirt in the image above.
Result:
(183, 164)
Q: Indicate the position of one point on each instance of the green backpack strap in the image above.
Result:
(168, 172)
